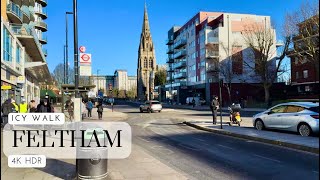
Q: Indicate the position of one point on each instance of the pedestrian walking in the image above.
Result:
(42, 107)
(23, 106)
(83, 109)
(193, 103)
(32, 106)
(100, 110)
(6, 108)
(70, 108)
(214, 106)
(89, 108)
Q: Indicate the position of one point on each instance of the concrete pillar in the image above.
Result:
(77, 109)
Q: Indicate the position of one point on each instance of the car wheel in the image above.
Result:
(159, 111)
(149, 111)
(259, 125)
(304, 130)
(141, 110)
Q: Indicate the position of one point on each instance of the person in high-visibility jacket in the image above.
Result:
(23, 106)
(16, 107)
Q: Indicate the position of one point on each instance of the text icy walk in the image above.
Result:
(36, 118)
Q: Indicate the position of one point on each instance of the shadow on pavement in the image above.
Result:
(59, 169)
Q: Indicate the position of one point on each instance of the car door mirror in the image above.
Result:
(269, 112)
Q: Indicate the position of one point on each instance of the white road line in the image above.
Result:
(187, 147)
(316, 172)
(267, 158)
(225, 146)
(143, 139)
(199, 139)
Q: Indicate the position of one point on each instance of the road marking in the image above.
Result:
(199, 139)
(267, 158)
(316, 172)
(225, 146)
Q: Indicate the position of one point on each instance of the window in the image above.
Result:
(297, 75)
(296, 60)
(145, 63)
(305, 74)
(293, 109)
(18, 54)
(151, 63)
(202, 52)
(299, 89)
(237, 60)
(7, 43)
(278, 109)
(193, 55)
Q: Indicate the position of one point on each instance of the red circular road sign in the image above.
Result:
(85, 57)
(82, 49)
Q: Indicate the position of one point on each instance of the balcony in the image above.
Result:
(169, 42)
(180, 64)
(212, 69)
(42, 12)
(26, 14)
(43, 3)
(41, 25)
(181, 83)
(170, 51)
(169, 60)
(170, 69)
(45, 52)
(180, 75)
(180, 54)
(180, 43)
(212, 54)
(43, 39)
(29, 39)
(14, 13)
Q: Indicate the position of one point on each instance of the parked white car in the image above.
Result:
(151, 106)
(301, 117)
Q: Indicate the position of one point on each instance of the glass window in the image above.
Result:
(314, 109)
(307, 88)
(305, 74)
(278, 109)
(297, 75)
(7, 42)
(18, 54)
(292, 109)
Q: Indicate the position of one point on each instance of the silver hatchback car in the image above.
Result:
(151, 106)
(301, 117)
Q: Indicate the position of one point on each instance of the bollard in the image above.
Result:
(95, 165)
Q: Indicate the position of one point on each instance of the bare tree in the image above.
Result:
(302, 26)
(261, 42)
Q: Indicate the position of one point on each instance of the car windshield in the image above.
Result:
(314, 109)
(155, 102)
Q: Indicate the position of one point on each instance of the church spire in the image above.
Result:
(145, 25)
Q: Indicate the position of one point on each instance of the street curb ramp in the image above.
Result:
(268, 141)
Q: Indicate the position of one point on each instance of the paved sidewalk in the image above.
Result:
(246, 131)
(139, 165)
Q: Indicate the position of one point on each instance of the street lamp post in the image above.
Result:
(64, 64)
(75, 49)
(66, 49)
(98, 82)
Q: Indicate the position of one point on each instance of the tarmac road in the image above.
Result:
(203, 155)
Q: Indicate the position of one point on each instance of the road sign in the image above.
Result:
(85, 59)
(85, 71)
(82, 49)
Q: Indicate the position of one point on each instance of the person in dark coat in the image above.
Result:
(6, 108)
(99, 110)
(214, 108)
(42, 107)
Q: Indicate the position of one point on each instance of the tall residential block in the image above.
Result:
(23, 56)
(193, 70)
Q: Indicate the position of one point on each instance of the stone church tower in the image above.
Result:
(146, 62)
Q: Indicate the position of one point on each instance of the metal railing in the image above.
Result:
(180, 43)
(180, 75)
(180, 54)
(15, 9)
(41, 11)
(41, 24)
(182, 63)
(26, 11)
(212, 54)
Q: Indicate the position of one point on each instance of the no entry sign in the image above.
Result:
(85, 58)
(82, 49)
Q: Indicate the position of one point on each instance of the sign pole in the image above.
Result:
(220, 98)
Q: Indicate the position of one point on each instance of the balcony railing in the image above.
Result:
(15, 9)
(180, 64)
(212, 54)
(43, 39)
(42, 12)
(43, 2)
(181, 83)
(169, 41)
(169, 50)
(180, 43)
(27, 14)
(45, 51)
(169, 60)
(180, 75)
(180, 54)
(41, 25)
(212, 69)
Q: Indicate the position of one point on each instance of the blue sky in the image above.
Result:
(110, 29)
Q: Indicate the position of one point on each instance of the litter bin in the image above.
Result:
(95, 163)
